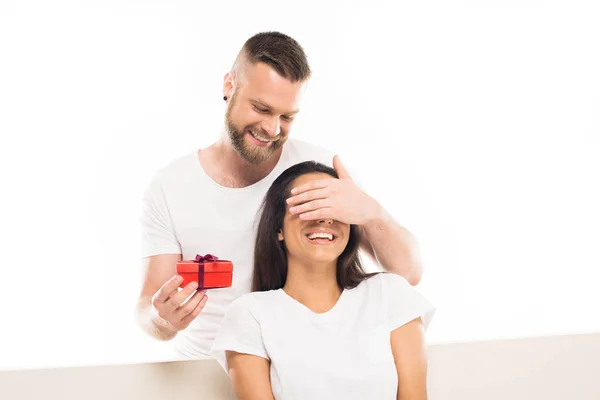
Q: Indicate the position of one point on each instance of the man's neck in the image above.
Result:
(315, 286)
(224, 165)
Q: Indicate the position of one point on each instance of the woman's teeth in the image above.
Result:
(320, 235)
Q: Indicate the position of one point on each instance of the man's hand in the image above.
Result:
(339, 199)
(167, 301)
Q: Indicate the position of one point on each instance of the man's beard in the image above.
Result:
(250, 153)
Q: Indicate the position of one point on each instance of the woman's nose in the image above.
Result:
(326, 221)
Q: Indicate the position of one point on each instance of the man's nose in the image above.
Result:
(273, 126)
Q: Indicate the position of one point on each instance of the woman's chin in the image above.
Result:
(322, 257)
(317, 254)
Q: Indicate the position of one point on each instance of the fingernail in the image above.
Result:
(292, 209)
(294, 191)
(288, 200)
(194, 285)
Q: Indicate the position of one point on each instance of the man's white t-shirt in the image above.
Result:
(344, 353)
(186, 212)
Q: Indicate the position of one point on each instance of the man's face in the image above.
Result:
(261, 112)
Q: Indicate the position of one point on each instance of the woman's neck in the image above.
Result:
(314, 285)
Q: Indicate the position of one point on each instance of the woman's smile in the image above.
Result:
(320, 236)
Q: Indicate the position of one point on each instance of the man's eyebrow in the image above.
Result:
(264, 104)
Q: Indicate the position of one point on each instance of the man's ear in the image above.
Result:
(228, 84)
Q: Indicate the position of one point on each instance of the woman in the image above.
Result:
(316, 326)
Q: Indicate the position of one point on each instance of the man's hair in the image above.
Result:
(280, 52)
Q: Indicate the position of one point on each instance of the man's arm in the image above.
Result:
(392, 246)
(386, 241)
(159, 310)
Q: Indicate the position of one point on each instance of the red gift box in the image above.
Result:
(208, 271)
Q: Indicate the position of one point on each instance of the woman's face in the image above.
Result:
(317, 241)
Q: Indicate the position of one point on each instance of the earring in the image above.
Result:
(225, 98)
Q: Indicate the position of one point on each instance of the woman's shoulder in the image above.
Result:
(385, 281)
(385, 287)
(254, 301)
(403, 301)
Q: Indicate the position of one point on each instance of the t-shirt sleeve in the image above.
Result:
(239, 331)
(157, 233)
(404, 302)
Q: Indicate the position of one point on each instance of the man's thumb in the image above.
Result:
(340, 169)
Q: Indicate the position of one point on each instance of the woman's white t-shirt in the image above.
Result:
(344, 353)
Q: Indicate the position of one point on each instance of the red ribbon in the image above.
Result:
(208, 257)
(201, 260)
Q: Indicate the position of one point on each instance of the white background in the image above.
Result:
(477, 124)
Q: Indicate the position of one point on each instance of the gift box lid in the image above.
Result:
(209, 266)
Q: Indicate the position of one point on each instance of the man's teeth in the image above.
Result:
(319, 235)
(259, 138)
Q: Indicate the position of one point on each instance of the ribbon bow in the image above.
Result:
(206, 258)
(201, 260)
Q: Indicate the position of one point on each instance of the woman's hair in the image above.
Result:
(270, 254)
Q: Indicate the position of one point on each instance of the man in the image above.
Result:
(206, 202)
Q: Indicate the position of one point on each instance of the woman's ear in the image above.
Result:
(280, 235)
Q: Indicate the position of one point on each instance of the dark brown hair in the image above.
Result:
(280, 52)
(270, 254)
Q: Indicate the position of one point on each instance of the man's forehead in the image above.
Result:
(264, 85)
